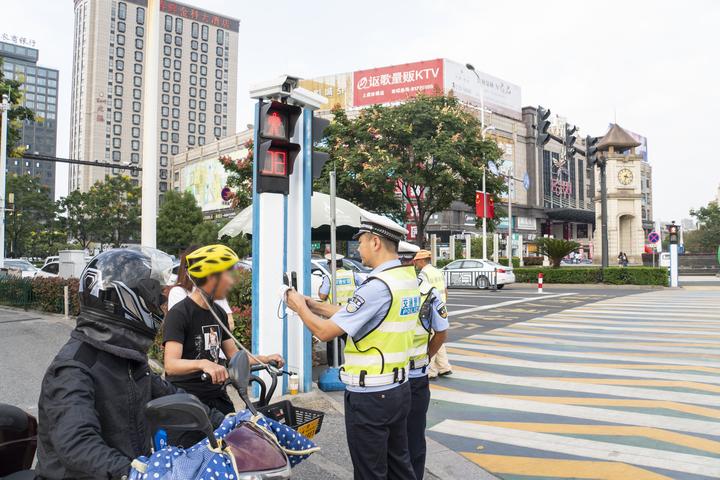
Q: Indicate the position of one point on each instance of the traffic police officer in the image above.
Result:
(380, 321)
(346, 281)
(439, 364)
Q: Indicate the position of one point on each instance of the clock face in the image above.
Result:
(625, 176)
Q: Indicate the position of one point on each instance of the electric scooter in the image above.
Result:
(18, 442)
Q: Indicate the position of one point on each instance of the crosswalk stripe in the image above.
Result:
(648, 457)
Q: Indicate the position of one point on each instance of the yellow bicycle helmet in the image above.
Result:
(210, 259)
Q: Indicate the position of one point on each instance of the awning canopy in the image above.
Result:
(571, 215)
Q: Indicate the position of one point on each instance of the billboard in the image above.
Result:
(206, 178)
(500, 95)
(338, 89)
(397, 82)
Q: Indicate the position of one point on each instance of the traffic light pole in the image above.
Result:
(5, 106)
(603, 213)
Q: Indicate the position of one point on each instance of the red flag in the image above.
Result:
(480, 210)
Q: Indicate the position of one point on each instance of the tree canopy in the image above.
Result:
(31, 214)
(706, 238)
(177, 218)
(411, 160)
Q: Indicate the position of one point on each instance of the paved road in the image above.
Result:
(625, 388)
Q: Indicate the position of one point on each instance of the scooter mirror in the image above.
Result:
(239, 370)
(182, 412)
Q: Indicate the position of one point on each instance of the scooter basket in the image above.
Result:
(305, 421)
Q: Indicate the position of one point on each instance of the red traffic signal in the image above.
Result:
(278, 139)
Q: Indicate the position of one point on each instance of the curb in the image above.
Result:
(441, 462)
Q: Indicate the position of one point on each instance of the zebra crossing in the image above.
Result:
(624, 388)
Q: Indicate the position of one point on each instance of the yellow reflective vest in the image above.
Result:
(344, 286)
(386, 349)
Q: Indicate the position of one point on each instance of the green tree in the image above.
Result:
(177, 218)
(79, 220)
(16, 114)
(32, 212)
(556, 249)
(417, 157)
(206, 233)
(115, 204)
(707, 237)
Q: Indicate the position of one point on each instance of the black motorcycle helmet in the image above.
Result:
(125, 285)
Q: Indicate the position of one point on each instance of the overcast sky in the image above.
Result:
(651, 64)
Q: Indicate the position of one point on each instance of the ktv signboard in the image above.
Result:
(499, 95)
(397, 83)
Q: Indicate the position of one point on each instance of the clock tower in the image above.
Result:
(624, 198)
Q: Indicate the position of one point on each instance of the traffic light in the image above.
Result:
(542, 123)
(319, 158)
(278, 139)
(570, 140)
(673, 233)
(591, 149)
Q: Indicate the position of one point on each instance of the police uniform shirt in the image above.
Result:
(364, 312)
(438, 323)
(325, 285)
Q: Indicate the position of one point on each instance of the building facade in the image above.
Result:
(197, 89)
(40, 94)
(199, 171)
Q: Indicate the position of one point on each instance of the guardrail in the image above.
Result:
(16, 292)
(471, 279)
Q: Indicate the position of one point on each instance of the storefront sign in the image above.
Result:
(561, 188)
(17, 40)
(192, 13)
(397, 83)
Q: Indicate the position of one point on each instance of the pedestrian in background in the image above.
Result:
(439, 363)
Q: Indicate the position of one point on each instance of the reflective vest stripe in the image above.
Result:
(436, 279)
(388, 346)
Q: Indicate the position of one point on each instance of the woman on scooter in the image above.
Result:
(194, 341)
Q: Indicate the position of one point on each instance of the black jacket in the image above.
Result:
(91, 421)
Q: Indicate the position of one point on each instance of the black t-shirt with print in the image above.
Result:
(201, 337)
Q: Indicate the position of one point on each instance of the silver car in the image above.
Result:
(477, 273)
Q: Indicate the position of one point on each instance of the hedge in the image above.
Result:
(610, 275)
(45, 294)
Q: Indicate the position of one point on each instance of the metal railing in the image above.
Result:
(16, 292)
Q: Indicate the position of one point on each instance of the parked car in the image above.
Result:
(49, 270)
(477, 273)
(319, 269)
(27, 269)
(50, 259)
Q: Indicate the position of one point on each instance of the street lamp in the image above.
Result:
(4, 107)
(482, 96)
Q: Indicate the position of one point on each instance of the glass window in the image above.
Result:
(175, 137)
(167, 51)
(202, 105)
(217, 119)
(176, 88)
(220, 37)
(201, 129)
(201, 118)
(175, 113)
(176, 101)
(192, 103)
(205, 32)
(165, 111)
(176, 76)
(203, 59)
(140, 15)
(165, 98)
(136, 119)
(135, 158)
(163, 136)
(119, 65)
(139, 43)
(191, 127)
(216, 132)
(117, 130)
(193, 56)
(138, 69)
(163, 148)
(201, 141)
(163, 161)
(136, 107)
(178, 25)
(166, 62)
(453, 266)
(168, 23)
(137, 93)
(135, 144)
(164, 123)
(165, 86)
(218, 73)
(119, 77)
(219, 51)
(121, 39)
(174, 149)
(116, 156)
(219, 62)
(122, 10)
(203, 70)
(121, 27)
(193, 68)
(194, 44)
(117, 116)
(163, 186)
(191, 116)
(167, 38)
(218, 97)
(203, 82)
(218, 85)
(166, 75)
(218, 108)
(194, 28)
(177, 64)
(204, 47)
(193, 92)
(118, 103)
(116, 143)
(178, 40)
(178, 53)
(175, 125)
(191, 140)
(139, 31)
(138, 56)
(137, 81)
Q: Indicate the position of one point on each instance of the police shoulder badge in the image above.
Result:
(354, 304)
(442, 310)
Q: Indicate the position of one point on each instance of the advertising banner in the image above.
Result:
(338, 89)
(397, 83)
(206, 179)
(500, 95)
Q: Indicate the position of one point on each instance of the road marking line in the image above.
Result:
(538, 333)
(569, 385)
(647, 457)
(504, 304)
(560, 468)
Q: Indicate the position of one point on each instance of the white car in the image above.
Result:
(27, 269)
(319, 269)
(49, 270)
(477, 273)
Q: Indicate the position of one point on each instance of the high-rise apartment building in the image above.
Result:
(40, 95)
(197, 90)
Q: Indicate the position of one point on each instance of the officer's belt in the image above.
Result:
(379, 380)
(421, 363)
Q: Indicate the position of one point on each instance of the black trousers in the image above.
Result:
(376, 425)
(420, 389)
(188, 439)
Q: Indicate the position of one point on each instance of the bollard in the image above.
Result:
(540, 282)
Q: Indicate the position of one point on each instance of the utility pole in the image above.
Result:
(5, 106)
(600, 160)
(149, 205)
